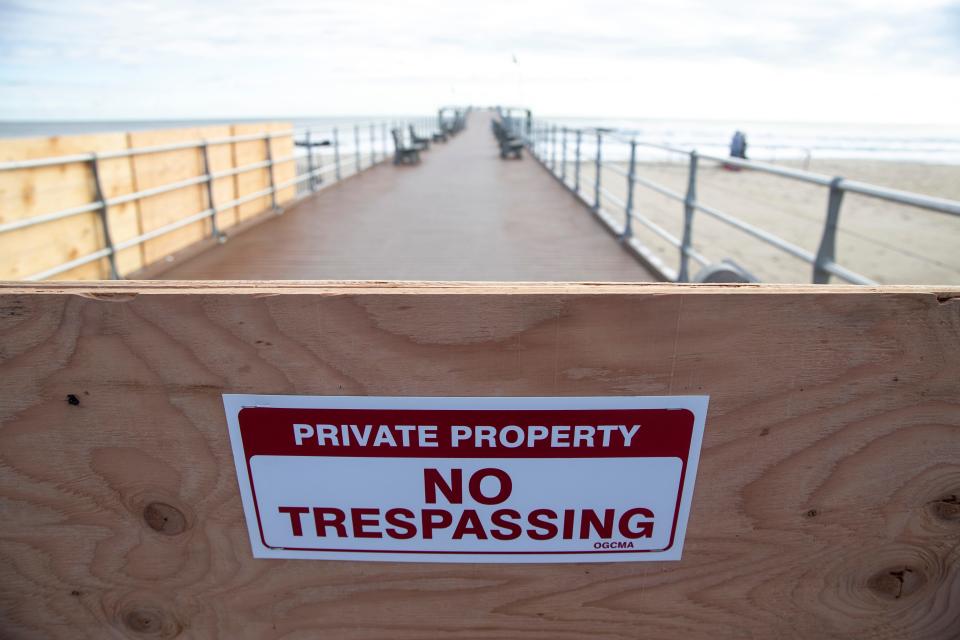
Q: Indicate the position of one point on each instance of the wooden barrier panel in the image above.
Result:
(157, 169)
(224, 189)
(282, 147)
(826, 504)
(33, 192)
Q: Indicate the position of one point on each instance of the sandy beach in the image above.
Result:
(890, 243)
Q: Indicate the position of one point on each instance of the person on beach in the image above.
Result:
(738, 145)
(738, 149)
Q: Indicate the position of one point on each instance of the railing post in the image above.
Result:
(373, 146)
(356, 148)
(631, 174)
(596, 180)
(689, 207)
(214, 228)
(383, 135)
(104, 222)
(336, 153)
(273, 188)
(563, 157)
(576, 166)
(310, 166)
(828, 241)
(553, 149)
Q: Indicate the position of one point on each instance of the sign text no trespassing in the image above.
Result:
(467, 479)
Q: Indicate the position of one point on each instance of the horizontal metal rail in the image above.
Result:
(165, 229)
(653, 186)
(772, 169)
(156, 191)
(361, 156)
(930, 203)
(137, 151)
(543, 142)
(756, 232)
(612, 197)
(73, 264)
(615, 169)
(263, 164)
(669, 237)
(303, 177)
(138, 195)
(262, 193)
(49, 217)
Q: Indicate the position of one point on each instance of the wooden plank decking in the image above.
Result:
(462, 214)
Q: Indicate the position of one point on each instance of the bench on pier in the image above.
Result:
(509, 144)
(440, 136)
(452, 127)
(403, 154)
(417, 141)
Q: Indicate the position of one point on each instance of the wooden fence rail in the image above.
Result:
(26, 193)
(826, 504)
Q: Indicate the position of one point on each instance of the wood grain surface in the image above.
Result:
(827, 503)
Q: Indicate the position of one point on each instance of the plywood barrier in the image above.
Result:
(252, 151)
(223, 158)
(33, 192)
(826, 504)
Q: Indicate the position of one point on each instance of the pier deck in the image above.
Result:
(462, 214)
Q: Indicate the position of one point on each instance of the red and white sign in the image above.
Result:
(599, 479)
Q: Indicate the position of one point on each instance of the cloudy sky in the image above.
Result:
(820, 61)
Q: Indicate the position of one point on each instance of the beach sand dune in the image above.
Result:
(889, 243)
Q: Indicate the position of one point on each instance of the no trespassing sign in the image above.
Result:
(596, 479)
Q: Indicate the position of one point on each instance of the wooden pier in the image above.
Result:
(463, 213)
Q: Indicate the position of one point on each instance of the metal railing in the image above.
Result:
(368, 142)
(546, 141)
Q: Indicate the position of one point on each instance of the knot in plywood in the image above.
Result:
(148, 621)
(164, 518)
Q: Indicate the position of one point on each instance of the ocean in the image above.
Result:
(791, 140)
(773, 141)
